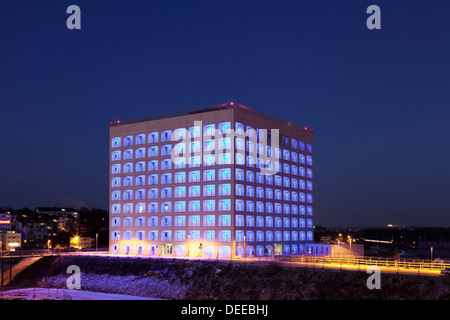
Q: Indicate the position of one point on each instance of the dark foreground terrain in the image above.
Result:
(178, 279)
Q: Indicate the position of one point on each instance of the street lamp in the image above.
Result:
(431, 253)
(96, 242)
(245, 251)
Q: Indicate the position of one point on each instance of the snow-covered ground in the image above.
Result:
(64, 294)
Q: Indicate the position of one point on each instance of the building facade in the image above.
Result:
(224, 181)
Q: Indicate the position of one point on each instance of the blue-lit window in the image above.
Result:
(302, 171)
(239, 235)
(225, 205)
(115, 142)
(180, 235)
(209, 145)
(269, 207)
(250, 132)
(208, 129)
(309, 185)
(225, 127)
(180, 206)
(286, 209)
(166, 150)
(239, 189)
(224, 174)
(250, 161)
(166, 178)
(153, 207)
(180, 177)
(259, 192)
(115, 222)
(194, 191)
(239, 205)
(294, 183)
(128, 195)
(115, 196)
(269, 235)
(302, 209)
(239, 220)
(128, 181)
(239, 144)
(309, 211)
(153, 165)
(301, 197)
(269, 193)
(153, 193)
(224, 158)
(309, 160)
(180, 192)
(278, 195)
(115, 156)
(166, 193)
(249, 146)
(309, 148)
(250, 236)
(286, 223)
(209, 235)
(194, 162)
(115, 169)
(250, 176)
(166, 207)
(153, 151)
(128, 154)
(209, 220)
(250, 221)
(194, 235)
(128, 167)
(153, 179)
(194, 176)
(180, 163)
(294, 208)
(166, 235)
(224, 189)
(140, 180)
(269, 179)
(153, 137)
(286, 182)
(286, 195)
(127, 208)
(224, 220)
(278, 208)
(286, 237)
(309, 173)
(209, 160)
(301, 146)
(302, 235)
(259, 177)
(250, 206)
(179, 134)
(278, 222)
(128, 141)
(239, 174)
(140, 139)
(250, 191)
(301, 158)
(286, 168)
(239, 128)
(209, 205)
(194, 206)
(278, 181)
(140, 153)
(166, 135)
(153, 235)
(286, 155)
(140, 166)
(294, 195)
(302, 223)
(195, 132)
(209, 175)
(140, 207)
(209, 190)
(115, 182)
(140, 194)
(259, 206)
(239, 158)
(302, 184)
(309, 235)
(294, 170)
(194, 221)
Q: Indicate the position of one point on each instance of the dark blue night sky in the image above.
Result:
(378, 100)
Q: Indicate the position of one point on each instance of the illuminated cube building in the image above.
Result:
(223, 181)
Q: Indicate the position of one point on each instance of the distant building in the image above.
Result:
(340, 250)
(10, 240)
(82, 242)
(6, 221)
(433, 249)
(57, 211)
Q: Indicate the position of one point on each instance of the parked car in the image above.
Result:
(446, 272)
